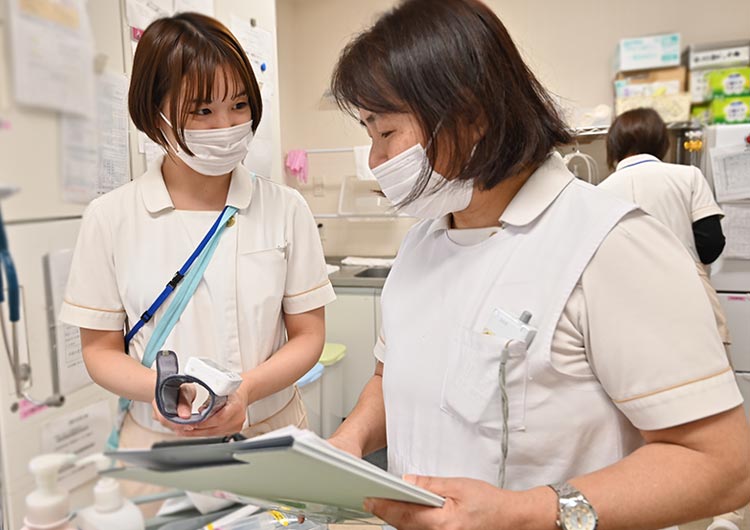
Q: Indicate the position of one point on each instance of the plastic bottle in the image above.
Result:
(110, 511)
(48, 506)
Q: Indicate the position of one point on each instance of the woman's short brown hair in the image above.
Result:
(180, 55)
(637, 132)
(452, 63)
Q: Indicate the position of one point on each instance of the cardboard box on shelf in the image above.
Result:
(641, 53)
(729, 82)
(731, 110)
(658, 82)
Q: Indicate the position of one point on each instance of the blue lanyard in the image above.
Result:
(174, 282)
(639, 163)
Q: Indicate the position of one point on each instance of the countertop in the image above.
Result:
(346, 275)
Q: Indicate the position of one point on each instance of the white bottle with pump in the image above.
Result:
(48, 506)
(110, 510)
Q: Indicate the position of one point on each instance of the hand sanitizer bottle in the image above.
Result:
(48, 506)
(110, 509)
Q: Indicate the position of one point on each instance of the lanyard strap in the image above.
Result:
(177, 278)
(639, 163)
(202, 256)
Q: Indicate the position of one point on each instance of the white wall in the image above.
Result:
(570, 45)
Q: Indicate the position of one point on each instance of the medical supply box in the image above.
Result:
(642, 53)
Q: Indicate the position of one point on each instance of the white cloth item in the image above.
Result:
(367, 262)
(676, 195)
(332, 268)
(398, 176)
(362, 162)
(268, 263)
(440, 372)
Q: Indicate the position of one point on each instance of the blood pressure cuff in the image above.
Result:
(168, 383)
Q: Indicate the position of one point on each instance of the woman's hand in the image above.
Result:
(230, 419)
(184, 408)
(346, 445)
(469, 505)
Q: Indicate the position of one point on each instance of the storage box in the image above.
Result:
(698, 85)
(731, 110)
(642, 53)
(729, 82)
(702, 113)
(661, 82)
(671, 108)
(718, 55)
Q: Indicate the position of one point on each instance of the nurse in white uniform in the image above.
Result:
(622, 399)
(259, 308)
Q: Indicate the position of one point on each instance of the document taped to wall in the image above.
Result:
(731, 172)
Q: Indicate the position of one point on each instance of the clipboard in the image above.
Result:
(290, 470)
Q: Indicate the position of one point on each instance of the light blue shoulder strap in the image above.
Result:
(172, 315)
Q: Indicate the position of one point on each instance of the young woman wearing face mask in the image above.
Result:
(536, 331)
(259, 307)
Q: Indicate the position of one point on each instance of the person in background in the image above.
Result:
(259, 308)
(623, 400)
(676, 195)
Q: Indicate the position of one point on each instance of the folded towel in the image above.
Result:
(368, 262)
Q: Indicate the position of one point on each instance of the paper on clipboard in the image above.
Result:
(736, 226)
(287, 469)
(731, 172)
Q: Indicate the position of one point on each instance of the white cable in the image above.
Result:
(592, 168)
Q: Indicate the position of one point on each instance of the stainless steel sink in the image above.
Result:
(374, 272)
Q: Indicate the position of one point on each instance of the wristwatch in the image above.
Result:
(574, 510)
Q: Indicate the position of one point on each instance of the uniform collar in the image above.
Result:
(536, 195)
(156, 197)
(635, 160)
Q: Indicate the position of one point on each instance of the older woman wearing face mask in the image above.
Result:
(531, 334)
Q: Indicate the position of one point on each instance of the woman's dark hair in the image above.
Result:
(181, 55)
(453, 65)
(637, 132)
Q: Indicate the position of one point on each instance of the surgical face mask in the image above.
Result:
(398, 176)
(216, 151)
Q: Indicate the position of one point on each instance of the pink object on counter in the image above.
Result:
(296, 163)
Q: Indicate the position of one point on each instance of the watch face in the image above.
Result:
(579, 516)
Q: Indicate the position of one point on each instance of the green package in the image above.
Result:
(731, 110)
(729, 82)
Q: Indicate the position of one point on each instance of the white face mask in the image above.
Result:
(398, 176)
(216, 151)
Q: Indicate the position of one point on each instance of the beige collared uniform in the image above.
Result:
(625, 340)
(269, 262)
(676, 195)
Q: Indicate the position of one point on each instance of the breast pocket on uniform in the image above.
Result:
(262, 272)
(471, 387)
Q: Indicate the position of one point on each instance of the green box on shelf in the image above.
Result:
(731, 110)
(729, 82)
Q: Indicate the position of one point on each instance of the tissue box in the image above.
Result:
(729, 82)
(731, 110)
(720, 55)
(665, 81)
(642, 53)
(699, 90)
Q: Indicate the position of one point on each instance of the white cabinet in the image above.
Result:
(354, 320)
